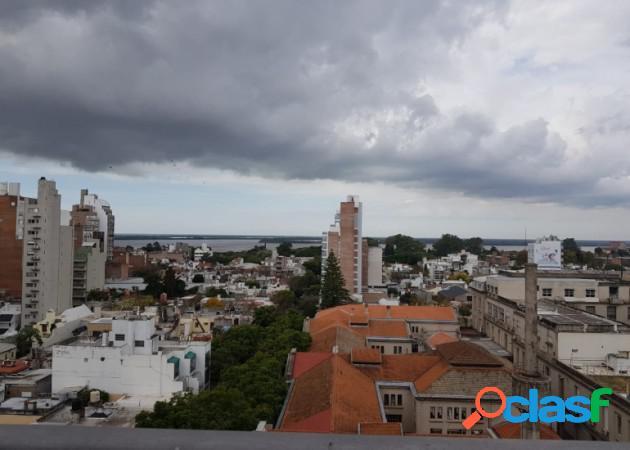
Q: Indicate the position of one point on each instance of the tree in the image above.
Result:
(97, 295)
(448, 243)
(284, 249)
(521, 258)
(25, 339)
(333, 291)
(284, 300)
(403, 249)
(216, 292)
(173, 286)
(474, 245)
(308, 252)
(571, 252)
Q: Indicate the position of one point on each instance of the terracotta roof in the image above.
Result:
(344, 312)
(440, 338)
(401, 367)
(429, 377)
(13, 367)
(365, 356)
(305, 361)
(385, 328)
(507, 430)
(389, 428)
(345, 338)
(462, 353)
(331, 396)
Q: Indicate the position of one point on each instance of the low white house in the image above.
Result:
(131, 360)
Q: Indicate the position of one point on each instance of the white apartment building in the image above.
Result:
(106, 221)
(440, 269)
(131, 360)
(47, 255)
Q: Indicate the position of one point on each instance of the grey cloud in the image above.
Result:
(296, 90)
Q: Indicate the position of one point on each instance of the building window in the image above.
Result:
(628, 313)
(119, 337)
(138, 343)
(618, 417)
(435, 431)
(546, 292)
(456, 431)
(611, 312)
(590, 309)
(386, 400)
(590, 293)
(397, 349)
(394, 418)
(449, 413)
(569, 292)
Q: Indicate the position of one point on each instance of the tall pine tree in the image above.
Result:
(333, 291)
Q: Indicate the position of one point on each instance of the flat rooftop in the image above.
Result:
(561, 315)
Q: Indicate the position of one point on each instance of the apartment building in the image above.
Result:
(106, 220)
(91, 242)
(11, 240)
(47, 254)
(577, 350)
(344, 238)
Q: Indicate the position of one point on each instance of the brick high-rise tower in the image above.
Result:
(345, 239)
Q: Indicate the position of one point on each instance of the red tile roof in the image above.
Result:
(305, 361)
(13, 367)
(440, 338)
(332, 396)
(365, 356)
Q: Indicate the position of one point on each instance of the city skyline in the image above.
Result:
(483, 119)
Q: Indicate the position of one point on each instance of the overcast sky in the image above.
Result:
(476, 118)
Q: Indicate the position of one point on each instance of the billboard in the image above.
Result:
(547, 254)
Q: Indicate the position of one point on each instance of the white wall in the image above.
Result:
(375, 266)
(590, 348)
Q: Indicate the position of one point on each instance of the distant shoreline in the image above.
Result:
(316, 240)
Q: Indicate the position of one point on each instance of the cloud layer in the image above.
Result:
(489, 100)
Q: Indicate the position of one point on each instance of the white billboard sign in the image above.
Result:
(548, 254)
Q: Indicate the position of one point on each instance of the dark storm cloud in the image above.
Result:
(283, 89)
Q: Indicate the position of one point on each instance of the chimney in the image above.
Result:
(531, 320)
(528, 377)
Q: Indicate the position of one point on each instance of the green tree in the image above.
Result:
(474, 245)
(284, 300)
(521, 258)
(284, 249)
(403, 249)
(216, 292)
(448, 243)
(25, 338)
(333, 291)
(571, 252)
(174, 287)
(308, 252)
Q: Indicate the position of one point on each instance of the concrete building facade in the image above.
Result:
(130, 360)
(47, 255)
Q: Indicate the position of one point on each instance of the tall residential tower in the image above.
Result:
(345, 239)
